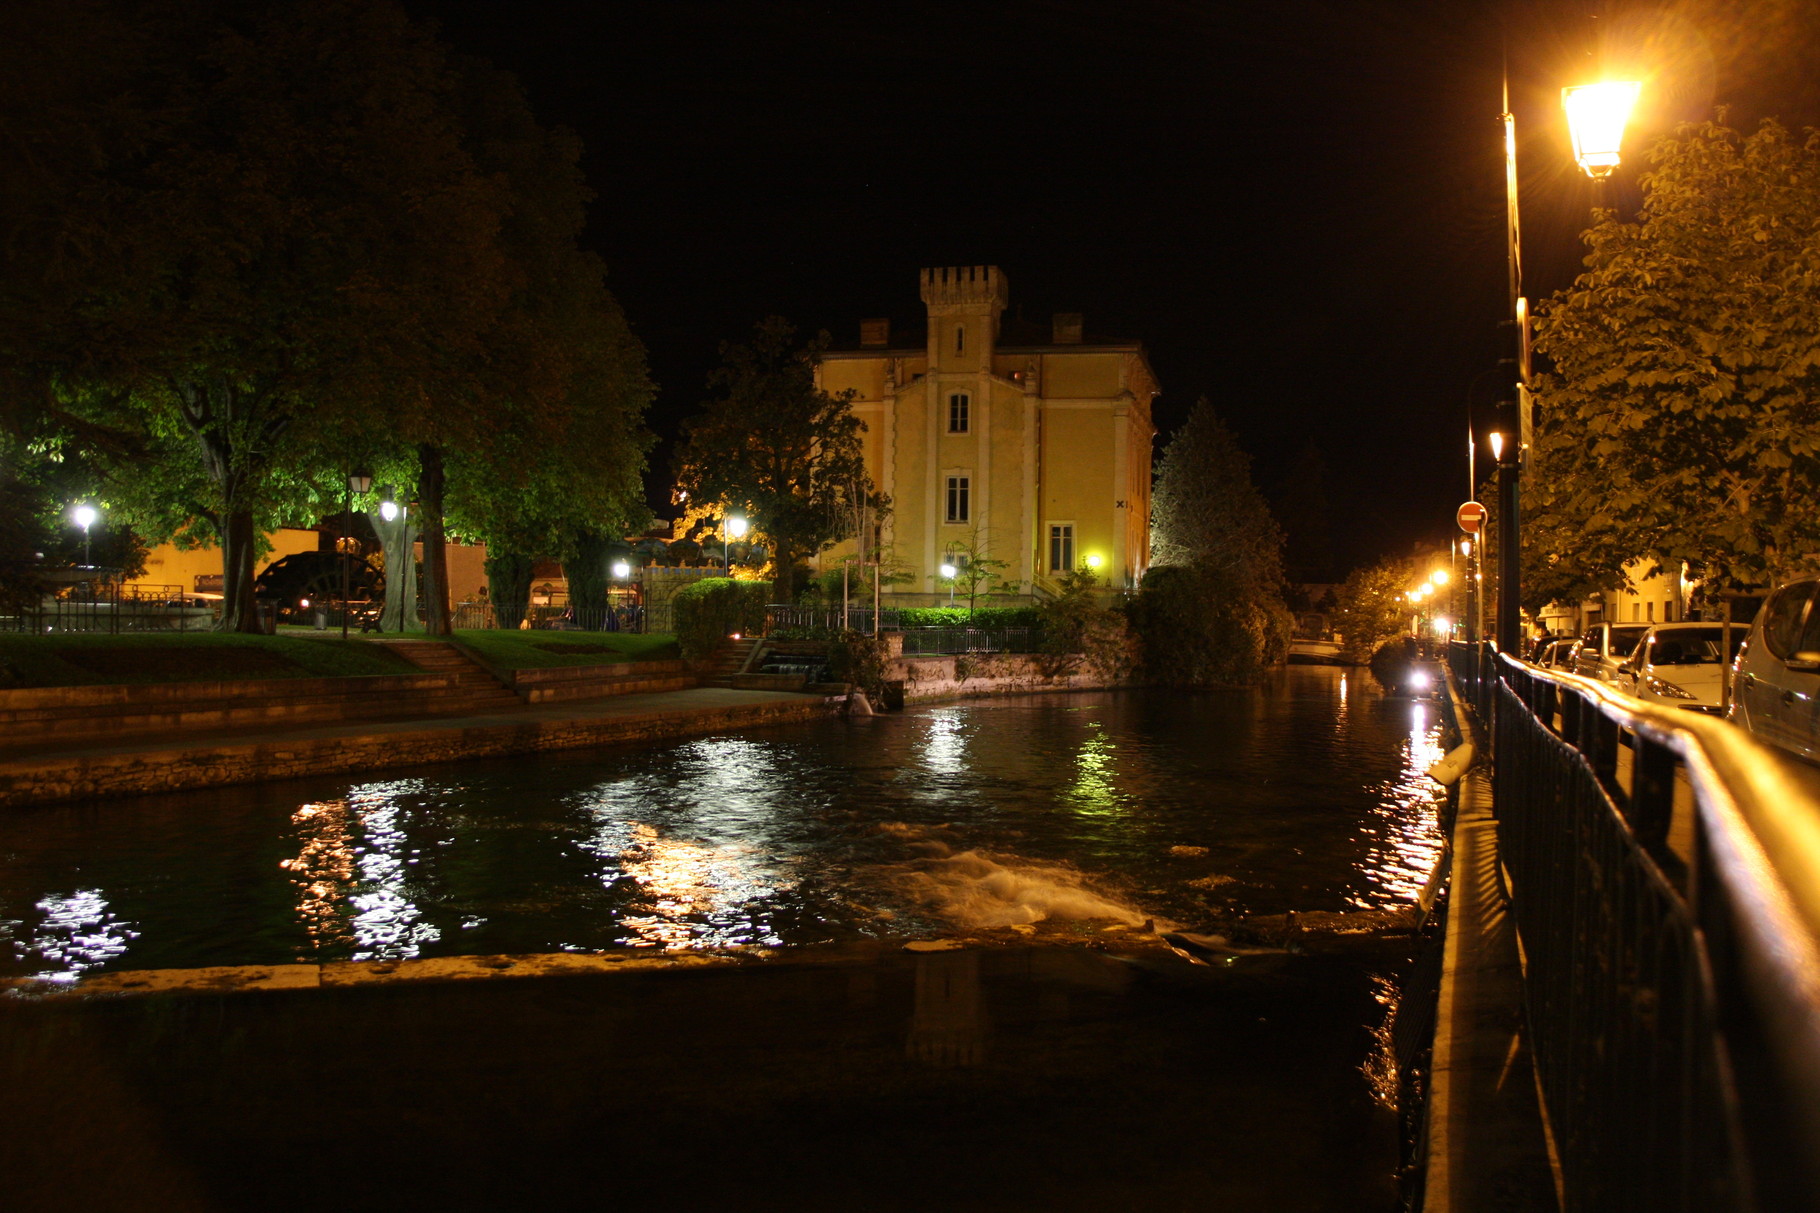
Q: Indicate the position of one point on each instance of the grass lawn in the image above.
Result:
(522, 650)
(77, 659)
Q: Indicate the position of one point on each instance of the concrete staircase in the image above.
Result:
(730, 660)
(473, 686)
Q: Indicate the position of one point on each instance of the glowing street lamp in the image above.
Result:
(621, 569)
(734, 528)
(1596, 116)
(949, 571)
(85, 516)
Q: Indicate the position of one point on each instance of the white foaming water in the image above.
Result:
(977, 890)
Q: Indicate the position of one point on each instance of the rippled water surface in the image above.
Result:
(1304, 795)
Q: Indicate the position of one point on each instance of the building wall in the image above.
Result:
(1058, 434)
(166, 566)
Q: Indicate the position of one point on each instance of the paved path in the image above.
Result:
(206, 757)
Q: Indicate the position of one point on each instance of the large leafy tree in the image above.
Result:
(1211, 609)
(1681, 418)
(269, 232)
(775, 445)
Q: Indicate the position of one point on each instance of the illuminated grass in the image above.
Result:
(520, 650)
(83, 659)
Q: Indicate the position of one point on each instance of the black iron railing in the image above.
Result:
(926, 642)
(1665, 880)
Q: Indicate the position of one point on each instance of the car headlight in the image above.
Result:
(1666, 689)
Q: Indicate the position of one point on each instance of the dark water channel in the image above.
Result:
(1054, 1068)
(1303, 796)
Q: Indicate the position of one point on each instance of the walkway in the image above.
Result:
(207, 758)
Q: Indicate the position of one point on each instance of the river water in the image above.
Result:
(1094, 809)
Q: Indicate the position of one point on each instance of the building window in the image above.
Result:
(960, 508)
(1668, 611)
(1061, 547)
(960, 339)
(1649, 612)
(958, 408)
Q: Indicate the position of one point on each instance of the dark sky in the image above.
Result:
(1297, 206)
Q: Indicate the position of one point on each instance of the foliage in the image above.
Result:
(714, 608)
(993, 618)
(1372, 607)
(1681, 420)
(1079, 632)
(1205, 510)
(1197, 628)
(777, 447)
(976, 571)
(509, 586)
(861, 660)
(1217, 602)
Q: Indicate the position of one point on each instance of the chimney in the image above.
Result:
(1067, 328)
(875, 332)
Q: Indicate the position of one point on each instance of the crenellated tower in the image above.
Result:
(964, 303)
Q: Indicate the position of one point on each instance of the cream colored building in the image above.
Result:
(1031, 445)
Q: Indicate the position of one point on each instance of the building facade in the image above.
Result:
(1029, 446)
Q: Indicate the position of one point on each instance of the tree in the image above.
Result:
(1211, 609)
(1373, 606)
(1681, 418)
(269, 232)
(976, 570)
(776, 446)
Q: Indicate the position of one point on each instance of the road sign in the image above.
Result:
(1471, 517)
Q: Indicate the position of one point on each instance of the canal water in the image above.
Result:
(1106, 809)
(1061, 1066)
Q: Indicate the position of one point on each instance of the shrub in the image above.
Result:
(861, 660)
(993, 618)
(715, 608)
(1197, 628)
(1078, 631)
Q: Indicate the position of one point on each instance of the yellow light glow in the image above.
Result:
(736, 527)
(1093, 562)
(1497, 445)
(1439, 576)
(1596, 114)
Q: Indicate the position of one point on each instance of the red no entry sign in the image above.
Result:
(1471, 517)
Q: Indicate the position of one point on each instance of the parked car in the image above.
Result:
(1559, 654)
(1678, 665)
(1777, 673)
(1604, 647)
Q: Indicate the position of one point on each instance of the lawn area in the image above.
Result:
(80, 659)
(523, 650)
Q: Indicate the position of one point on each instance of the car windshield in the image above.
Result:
(1623, 640)
(1691, 646)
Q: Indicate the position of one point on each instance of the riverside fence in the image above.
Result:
(1664, 874)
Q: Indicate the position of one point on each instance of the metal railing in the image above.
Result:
(925, 642)
(1665, 881)
(114, 610)
(827, 621)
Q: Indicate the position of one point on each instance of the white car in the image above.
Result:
(1777, 674)
(1678, 665)
(1604, 648)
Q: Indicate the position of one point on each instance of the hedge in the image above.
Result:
(714, 608)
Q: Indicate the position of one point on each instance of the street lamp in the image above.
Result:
(1596, 116)
(949, 571)
(735, 529)
(357, 483)
(85, 516)
(621, 569)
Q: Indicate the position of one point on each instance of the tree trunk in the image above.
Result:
(435, 549)
(509, 584)
(397, 538)
(783, 561)
(239, 543)
(588, 576)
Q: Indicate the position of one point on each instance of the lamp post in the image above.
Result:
(949, 571)
(357, 483)
(1596, 115)
(735, 528)
(85, 516)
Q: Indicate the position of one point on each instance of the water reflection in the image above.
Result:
(1403, 828)
(944, 748)
(694, 895)
(1095, 789)
(353, 876)
(79, 932)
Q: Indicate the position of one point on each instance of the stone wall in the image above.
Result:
(978, 674)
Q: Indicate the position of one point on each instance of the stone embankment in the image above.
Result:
(973, 675)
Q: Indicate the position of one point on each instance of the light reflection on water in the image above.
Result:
(1305, 795)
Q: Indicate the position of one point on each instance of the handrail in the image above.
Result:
(1750, 891)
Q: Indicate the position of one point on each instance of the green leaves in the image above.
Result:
(1680, 415)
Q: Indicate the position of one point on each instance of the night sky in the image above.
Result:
(1297, 206)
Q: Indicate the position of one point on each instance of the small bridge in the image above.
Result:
(1662, 871)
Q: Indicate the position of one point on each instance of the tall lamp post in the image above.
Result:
(1596, 115)
(357, 483)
